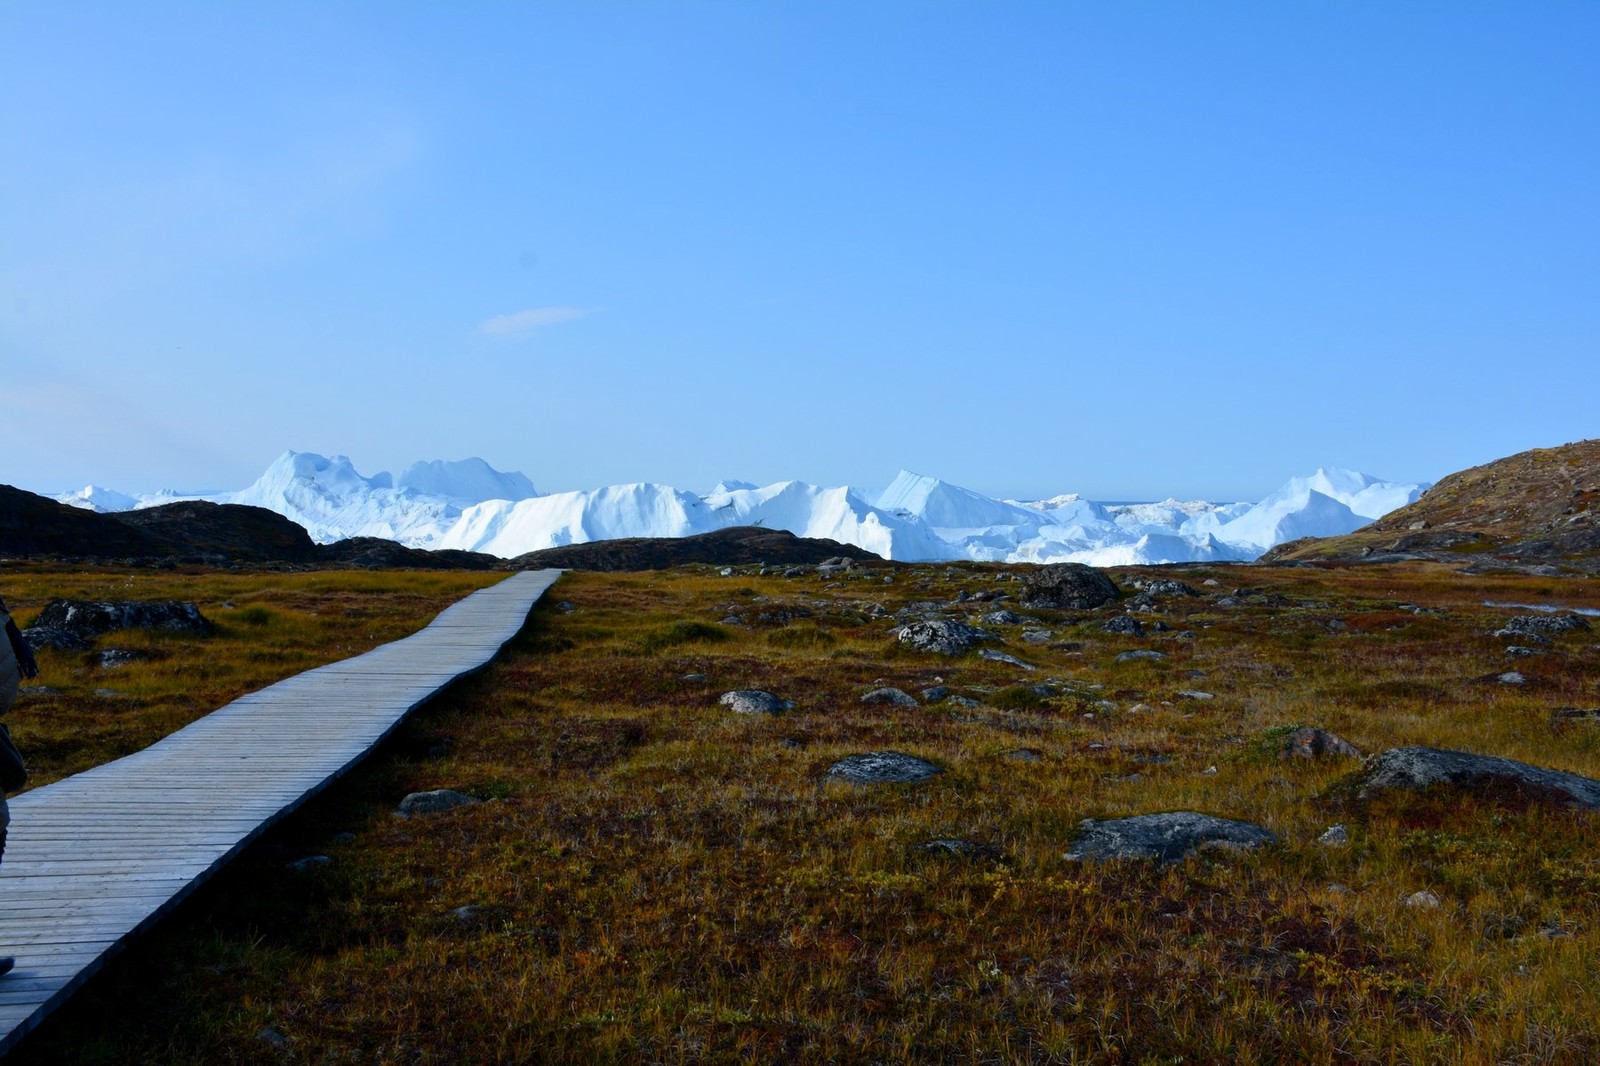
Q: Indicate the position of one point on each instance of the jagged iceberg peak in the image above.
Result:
(98, 498)
(1365, 495)
(468, 480)
(728, 485)
(946, 506)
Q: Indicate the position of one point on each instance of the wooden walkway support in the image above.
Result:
(96, 859)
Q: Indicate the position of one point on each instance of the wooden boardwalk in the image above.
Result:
(96, 859)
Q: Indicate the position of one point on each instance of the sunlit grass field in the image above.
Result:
(653, 878)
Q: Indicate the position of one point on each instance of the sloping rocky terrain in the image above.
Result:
(1537, 510)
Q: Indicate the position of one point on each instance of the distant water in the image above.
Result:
(1546, 607)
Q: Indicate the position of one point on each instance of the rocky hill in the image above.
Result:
(195, 531)
(1537, 509)
(739, 545)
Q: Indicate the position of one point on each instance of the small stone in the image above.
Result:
(962, 701)
(1196, 694)
(1038, 636)
(434, 802)
(1000, 618)
(694, 679)
(1068, 586)
(1335, 836)
(469, 913)
(1002, 657)
(960, 849)
(1141, 708)
(1422, 901)
(1125, 624)
(1022, 755)
(272, 1038)
(310, 862)
(891, 695)
(1519, 651)
(1511, 677)
(883, 767)
(565, 607)
(731, 620)
(1309, 743)
(754, 701)
(1143, 654)
(1210, 771)
(726, 571)
(936, 694)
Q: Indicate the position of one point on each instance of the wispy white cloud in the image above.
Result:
(522, 323)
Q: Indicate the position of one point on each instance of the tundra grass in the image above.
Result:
(81, 711)
(653, 878)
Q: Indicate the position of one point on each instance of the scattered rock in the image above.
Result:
(565, 607)
(1068, 586)
(1195, 694)
(435, 802)
(1166, 837)
(272, 1038)
(468, 914)
(1511, 677)
(1422, 901)
(112, 658)
(1038, 636)
(1335, 836)
(694, 679)
(1543, 625)
(1001, 618)
(1164, 588)
(1519, 651)
(754, 701)
(310, 862)
(39, 637)
(1575, 714)
(936, 694)
(1144, 654)
(883, 767)
(1123, 623)
(86, 620)
(963, 701)
(1309, 743)
(891, 695)
(1023, 755)
(1141, 708)
(960, 849)
(1418, 768)
(1002, 657)
(941, 636)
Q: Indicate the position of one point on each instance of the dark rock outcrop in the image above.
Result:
(1420, 768)
(85, 620)
(883, 768)
(1068, 586)
(434, 802)
(738, 546)
(1543, 625)
(1165, 837)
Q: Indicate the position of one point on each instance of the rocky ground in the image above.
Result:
(940, 813)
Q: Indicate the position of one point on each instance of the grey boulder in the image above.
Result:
(1165, 837)
(893, 696)
(883, 768)
(435, 802)
(754, 701)
(941, 636)
(1419, 768)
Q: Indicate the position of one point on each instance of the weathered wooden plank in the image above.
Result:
(94, 860)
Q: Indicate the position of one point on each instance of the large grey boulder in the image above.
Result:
(65, 622)
(897, 697)
(941, 636)
(1165, 837)
(1068, 586)
(754, 701)
(1418, 768)
(1308, 742)
(883, 768)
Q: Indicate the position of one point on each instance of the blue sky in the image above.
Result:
(1130, 249)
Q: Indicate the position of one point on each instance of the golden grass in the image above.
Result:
(657, 879)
